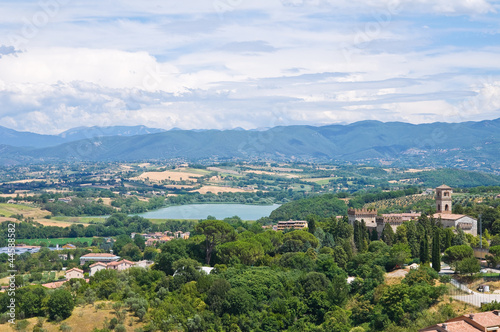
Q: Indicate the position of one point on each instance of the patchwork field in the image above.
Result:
(59, 241)
(167, 175)
(216, 189)
(287, 175)
(8, 210)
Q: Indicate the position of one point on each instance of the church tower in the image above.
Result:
(443, 199)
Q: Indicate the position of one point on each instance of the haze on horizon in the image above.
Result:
(222, 64)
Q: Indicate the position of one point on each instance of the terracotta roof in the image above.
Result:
(99, 255)
(98, 263)
(458, 326)
(75, 269)
(448, 216)
(443, 186)
(486, 319)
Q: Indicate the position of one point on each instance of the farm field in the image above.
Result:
(59, 241)
(9, 209)
(216, 189)
(168, 175)
(321, 181)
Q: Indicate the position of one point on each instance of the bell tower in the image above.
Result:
(443, 199)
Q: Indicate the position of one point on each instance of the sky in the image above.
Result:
(224, 64)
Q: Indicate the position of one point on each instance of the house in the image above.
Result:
(121, 265)
(69, 246)
(97, 267)
(98, 257)
(65, 199)
(294, 224)
(74, 273)
(483, 321)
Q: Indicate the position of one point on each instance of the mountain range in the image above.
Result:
(467, 145)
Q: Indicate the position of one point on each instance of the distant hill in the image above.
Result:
(467, 145)
(26, 139)
(21, 138)
(80, 133)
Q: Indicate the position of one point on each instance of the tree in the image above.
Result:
(245, 251)
(387, 235)
(298, 240)
(216, 232)
(399, 253)
(60, 304)
(468, 266)
(140, 241)
(401, 236)
(493, 257)
(311, 223)
(170, 252)
(448, 237)
(436, 251)
(455, 254)
(424, 250)
(131, 251)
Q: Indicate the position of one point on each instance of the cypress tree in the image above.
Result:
(374, 236)
(424, 250)
(356, 234)
(436, 252)
(388, 235)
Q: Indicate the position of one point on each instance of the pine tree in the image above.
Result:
(436, 251)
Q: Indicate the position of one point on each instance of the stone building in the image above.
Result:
(444, 213)
(368, 215)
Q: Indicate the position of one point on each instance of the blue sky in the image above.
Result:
(223, 64)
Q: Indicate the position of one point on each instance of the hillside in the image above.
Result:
(467, 145)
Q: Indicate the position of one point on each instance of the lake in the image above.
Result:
(220, 211)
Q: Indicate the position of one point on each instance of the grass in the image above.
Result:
(83, 319)
(9, 209)
(81, 220)
(60, 241)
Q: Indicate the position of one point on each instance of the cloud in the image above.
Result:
(224, 64)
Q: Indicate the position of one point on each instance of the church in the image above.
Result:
(444, 214)
(449, 219)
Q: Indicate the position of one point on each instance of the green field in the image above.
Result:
(81, 220)
(10, 209)
(59, 241)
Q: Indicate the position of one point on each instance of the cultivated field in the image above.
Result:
(167, 175)
(59, 241)
(8, 210)
(215, 190)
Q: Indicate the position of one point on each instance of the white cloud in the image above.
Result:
(239, 63)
